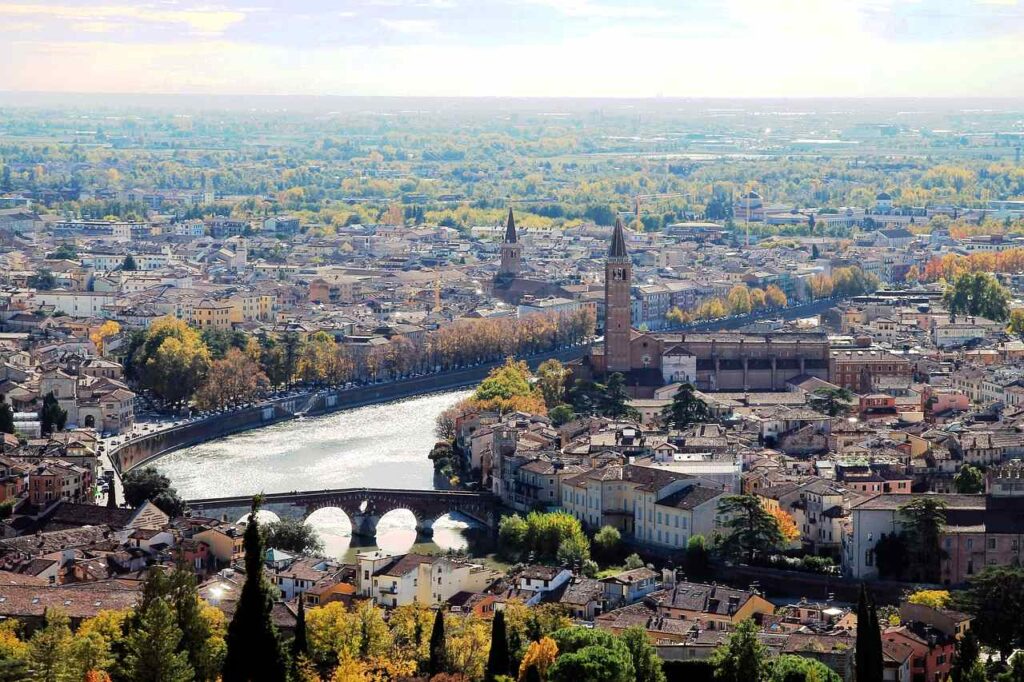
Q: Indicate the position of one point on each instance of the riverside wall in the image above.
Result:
(148, 447)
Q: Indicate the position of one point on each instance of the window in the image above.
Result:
(991, 543)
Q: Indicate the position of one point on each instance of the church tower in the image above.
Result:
(618, 273)
(511, 250)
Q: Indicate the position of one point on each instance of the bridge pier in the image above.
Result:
(425, 527)
(364, 525)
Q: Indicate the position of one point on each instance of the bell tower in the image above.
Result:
(511, 250)
(618, 274)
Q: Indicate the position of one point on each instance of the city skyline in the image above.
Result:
(578, 48)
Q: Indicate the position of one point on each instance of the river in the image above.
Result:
(381, 446)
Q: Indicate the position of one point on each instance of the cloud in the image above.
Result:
(410, 26)
(200, 20)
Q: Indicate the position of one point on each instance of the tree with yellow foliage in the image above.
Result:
(540, 655)
(775, 297)
(102, 333)
(787, 526)
(739, 300)
(936, 599)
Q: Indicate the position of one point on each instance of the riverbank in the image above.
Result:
(150, 446)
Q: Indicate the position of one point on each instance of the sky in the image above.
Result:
(546, 48)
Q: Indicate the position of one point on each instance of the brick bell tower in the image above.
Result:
(511, 250)
(618, 274)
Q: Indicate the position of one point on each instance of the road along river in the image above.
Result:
(383, 446)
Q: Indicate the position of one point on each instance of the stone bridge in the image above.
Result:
(363, 506)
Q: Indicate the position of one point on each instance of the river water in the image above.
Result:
(382, 446)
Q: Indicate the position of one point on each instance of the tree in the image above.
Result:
(1016, 323)
(497, 656)
(969, 480)
(43, 280)
(646, 664)
(614, 402)
(742, 657)
(300, 647)
(869, 640)
(198, 623)
(551, 376)
(593, 655)
(891, 555)
(607, 542)
(936, 599)
(171, 360)
(995, 598)
(235, 379)
(561, 414)
(739, 300)
(831, 401)
(539, 657)
(6, 417)
(50, 646)
(151, 648)
(253, 647)
(697, 556)
(293, 535)
(789, 668)
(686, 408)
(438, 651)
(512, 532)
(52, 416)
(149, 484)
(751, 531)
(923, 520)
(967, 666)
(633, 561)
(978, 293)
(1016, 671)
(102, 333)
(787, 525)
(775, 297)
(128, 264)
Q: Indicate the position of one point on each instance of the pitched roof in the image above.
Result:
(618, 246)
(510, 229)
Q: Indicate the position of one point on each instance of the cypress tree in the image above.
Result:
(254, 649)
(438, 650)
(151, 649)
(498, 659)
(6, 416)
(869, 640)
(112, 496)
(299, 645)
(195, 630)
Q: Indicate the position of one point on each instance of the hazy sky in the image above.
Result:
(517, 47)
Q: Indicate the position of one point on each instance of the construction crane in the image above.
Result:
(639, 199)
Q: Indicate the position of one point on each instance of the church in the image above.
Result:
(509, 285)
(712, 361)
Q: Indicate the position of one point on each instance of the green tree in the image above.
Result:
(50, 648)
(151, 649)
(633, 561)
(593, 655)
(742, 657)
(1015, 672)
(646, 664)
(6, 417)
(966, 659)
(128, 264)
(686, 408)
(204, 651)
(615, 400)
(969, 480)
(995, 599)
(43, 280)
(171, 360)
(293, 535)
(607, 543)
(750, 530)
(438, 649)
(923, 520)
(698, 558)
(65, 252)
(149, 484)
(831, 401)
(253, 646)
(561, 414)
(498, 661)
(789, 668)
(551, 376)
(300, 645)
(512, 531)
(869, 640)
(52, 416)
(978, 293)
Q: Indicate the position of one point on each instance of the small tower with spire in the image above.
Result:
(511, 250)
(618, 275)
